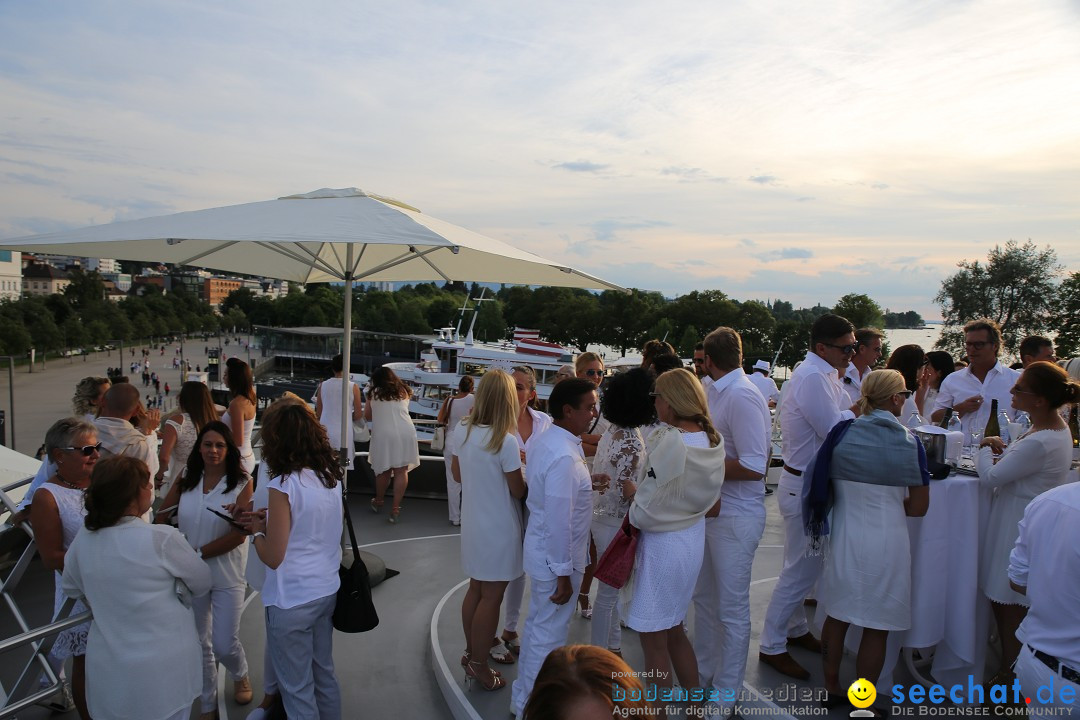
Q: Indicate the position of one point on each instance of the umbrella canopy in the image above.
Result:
(323, 236)
(305, 238)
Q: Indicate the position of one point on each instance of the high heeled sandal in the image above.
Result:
(376, 505)
(513, 644)
(583, 606)
(495, 680)
(392, 518)
(466, 658)
(500, 653)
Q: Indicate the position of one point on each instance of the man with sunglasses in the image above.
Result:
(814, 401)
(969, 392)
(867, 354)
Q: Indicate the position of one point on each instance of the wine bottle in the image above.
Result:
(1074, 426)
(993, 428)
(945, 420)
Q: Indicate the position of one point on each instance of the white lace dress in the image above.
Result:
(69, 501)
(186, 434)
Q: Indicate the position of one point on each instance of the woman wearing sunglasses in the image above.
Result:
(1034, 463)
(589, 366)
(908, 360)
(874, 473)
(213, 479)
(56, 515)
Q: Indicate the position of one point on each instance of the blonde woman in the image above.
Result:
(487, 463)
(685, 459)
(877, 472)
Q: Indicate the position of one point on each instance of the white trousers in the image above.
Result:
(512, 599)
(722, 601)
(1044, 686)
(217, 620)
(546, 628)
(606, 632)
(453, 489)
(784, 617)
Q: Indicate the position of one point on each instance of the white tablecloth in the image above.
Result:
(948, 612)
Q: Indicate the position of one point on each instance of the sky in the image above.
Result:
(766, 149)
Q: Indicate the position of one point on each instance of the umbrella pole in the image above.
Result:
(346, 453)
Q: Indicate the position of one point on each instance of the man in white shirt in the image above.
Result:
(867, 354)
(1045, 566)
(765, 384)
(1036, 348)
(557, 537)
(734, 526)
(970, 392)
(116, 433)
(814, 401)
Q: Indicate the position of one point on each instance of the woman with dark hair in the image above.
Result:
(328, 408)
(213, 479)
(939, 365)
(196, 409)
(453, 410)
(240, 415)
(908, 360)
(298, 538)
(620, 455)
(1035, 462)
(142, 652)
(56, 516)
(580, 681)
(393, 448)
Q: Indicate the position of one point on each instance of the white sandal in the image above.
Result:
(502, 654)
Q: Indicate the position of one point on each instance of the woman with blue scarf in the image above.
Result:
(876, 477)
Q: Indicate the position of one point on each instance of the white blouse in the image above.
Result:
(200, 526)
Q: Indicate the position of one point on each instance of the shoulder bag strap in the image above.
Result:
(348, 523)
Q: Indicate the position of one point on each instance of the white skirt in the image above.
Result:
(666, 569)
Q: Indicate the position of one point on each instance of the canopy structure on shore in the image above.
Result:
(344, 235)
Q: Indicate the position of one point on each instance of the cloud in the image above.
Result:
(605, 232)
(691, 174)
(788, 253)
(583, 166)
(747, 242)
(763, 179)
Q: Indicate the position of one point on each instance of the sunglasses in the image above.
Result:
(594, 373)
(904, 393)
(977, 345)
(86, 450)
(846, 349)
(699, 361)
(1016, 389)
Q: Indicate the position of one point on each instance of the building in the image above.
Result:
(217, 289)
(41, 279)
(10, 275)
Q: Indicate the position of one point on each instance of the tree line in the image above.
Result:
(1021, 287)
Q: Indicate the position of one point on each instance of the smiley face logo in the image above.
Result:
(862, 693)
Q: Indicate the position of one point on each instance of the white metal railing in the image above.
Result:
(22, 695)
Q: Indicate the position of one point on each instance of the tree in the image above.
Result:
(1015, 288)
(861, 310)
(1066, 318)
(756, 326)
(690, 338)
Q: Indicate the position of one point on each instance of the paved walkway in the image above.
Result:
(44, 396)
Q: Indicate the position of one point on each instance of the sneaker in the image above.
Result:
(61, 701)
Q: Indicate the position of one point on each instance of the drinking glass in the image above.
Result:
(976, 438)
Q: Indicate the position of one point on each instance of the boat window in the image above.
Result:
(473, 368)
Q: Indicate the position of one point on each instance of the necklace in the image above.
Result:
(73, 486)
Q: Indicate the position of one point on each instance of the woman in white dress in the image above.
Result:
(457, 406)
(212, 481)
(620, 455)
(939, 365)
(240, 415)
(1038, 461)
(487, 464)
(328, 409)
(393, 449)
(909, 360)
(57, 516)
(181, 428)
(530, 424)
(142, 652)
(685, 460)
(877, 474)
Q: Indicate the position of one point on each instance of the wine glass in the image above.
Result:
(976, 438)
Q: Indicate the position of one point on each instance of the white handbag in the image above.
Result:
(438, 440)
(361, 433)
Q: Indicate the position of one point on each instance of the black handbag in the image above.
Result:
(354, 610)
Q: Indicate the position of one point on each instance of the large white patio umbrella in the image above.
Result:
(327, 235)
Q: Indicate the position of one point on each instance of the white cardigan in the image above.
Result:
(680, 484)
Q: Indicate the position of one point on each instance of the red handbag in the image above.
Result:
(617, 562)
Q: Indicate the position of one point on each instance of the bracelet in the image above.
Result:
(259, 534)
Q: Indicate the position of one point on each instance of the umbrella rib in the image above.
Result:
(298, 257)
(359, 256)
(432, 266)
(333, 249)
(211, 251)
(397, 261)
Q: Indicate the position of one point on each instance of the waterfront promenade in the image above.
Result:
(44, 396)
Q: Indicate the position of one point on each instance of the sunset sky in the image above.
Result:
(767, 149)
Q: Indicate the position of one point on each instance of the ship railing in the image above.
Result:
(22, 694)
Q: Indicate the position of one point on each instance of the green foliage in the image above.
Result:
(861, 310)
(1015, 287)
(1066, 317)
(690, 338)
(909, 319)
